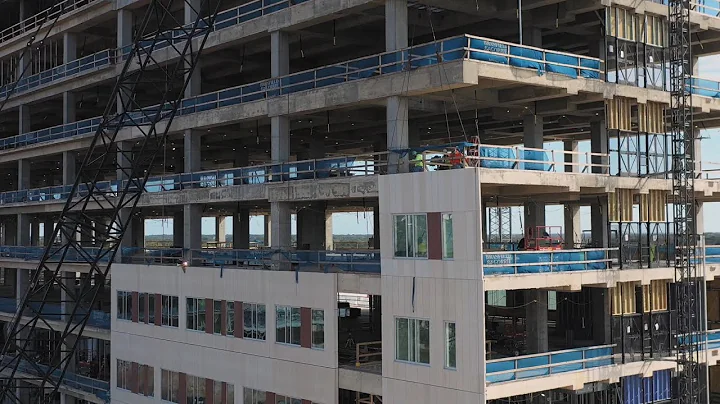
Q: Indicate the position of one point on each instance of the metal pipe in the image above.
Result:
(520, 24)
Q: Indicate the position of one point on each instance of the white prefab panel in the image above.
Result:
(310, 382)
(265, 365)
(436, 290)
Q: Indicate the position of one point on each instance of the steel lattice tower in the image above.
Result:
(689, 328)
(112, 209)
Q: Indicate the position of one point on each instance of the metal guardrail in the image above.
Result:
(99, 388)
(30, 24)
(35, 253)
(529, 262)
(105, 58)
(367, 261)
(51, 311)
(348, 166)
(464, 47)
(368, 353)
(549, 363)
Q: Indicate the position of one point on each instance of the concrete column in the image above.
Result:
(572, 160)
(191, 11)
(279, 54)
(192, 226)
(280, 226)
(376, 228)
(22, 281)
(129, 240)
(533, 131)
(573, 231)
(69, 47)
(599, 223)
(241, 229)
(220, 229)
(397, 134)
(69, 167)
(329, 242)
(23, 174)
(178, 229)
(124, 153)
(67, 299)
(23, 229)
(34, 233)
(599, 144)
(192, 153)
(124, 41)
(396, 24)
(536, 311)
(311, 227)
(138, 231)
(267, 233)
(24, 119)
(48, 229)
(532, 35)
(534, 212)
(600, 315)
(69, 107)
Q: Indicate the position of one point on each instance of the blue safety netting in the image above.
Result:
(535, 155)
(497, 152)
(528, 58)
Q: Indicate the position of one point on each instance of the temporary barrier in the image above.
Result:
(523, 262)
(645, 390)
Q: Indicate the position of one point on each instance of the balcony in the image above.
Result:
(31, 24)
(53, 311)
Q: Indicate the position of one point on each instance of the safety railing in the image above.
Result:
(707, 7)
(707, 170)
(105, 58)
(532, 262)
(31, 24)
(521, 158)
(452, 49)
(711, 255)
(367, 261)
(433, 158)
(99, 388)
(53, 311)
(368, 353)
(546, 364)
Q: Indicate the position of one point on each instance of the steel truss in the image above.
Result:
(690, 386)
(40, 366)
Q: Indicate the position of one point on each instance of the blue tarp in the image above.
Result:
(481, 48)
(496, 152)
(529, 58)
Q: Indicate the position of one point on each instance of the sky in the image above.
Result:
(362, 223)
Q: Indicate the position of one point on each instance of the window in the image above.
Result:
(146, 382)
(318, 329)
(497, 298)
(447, 236)
(450, 351)
(412, 340)
(141, 309)
(170, 311)
(195, 314)
(195, 390)
(230, 319)
(254, 321)
(252, 396)
(169, 386)
(124, 305)
(286, 400)
(287, 324)
(217, 316)
(123, 374)
(230, 395)
(410, 236)
(151, 308)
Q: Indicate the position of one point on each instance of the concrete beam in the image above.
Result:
(529, 94)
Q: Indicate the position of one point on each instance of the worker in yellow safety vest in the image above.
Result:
(416, 165)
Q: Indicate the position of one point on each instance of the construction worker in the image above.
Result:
(416, 163)
(456, 158)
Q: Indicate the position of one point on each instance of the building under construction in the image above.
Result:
(468, 121)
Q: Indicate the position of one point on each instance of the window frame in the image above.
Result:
(412, 224)
(288, 312)
(253, 332)
(198, 384)
(170, 380)
(217, 317)
(141, 307)
(124, 305)
(413, 341)
(254, 396)
(446, 218)
(319, 345)
(197, 314)
(230, 318)
(122, 381)
(169, 317)
(450, 357)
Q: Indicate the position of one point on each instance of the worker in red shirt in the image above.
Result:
(456, 158)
